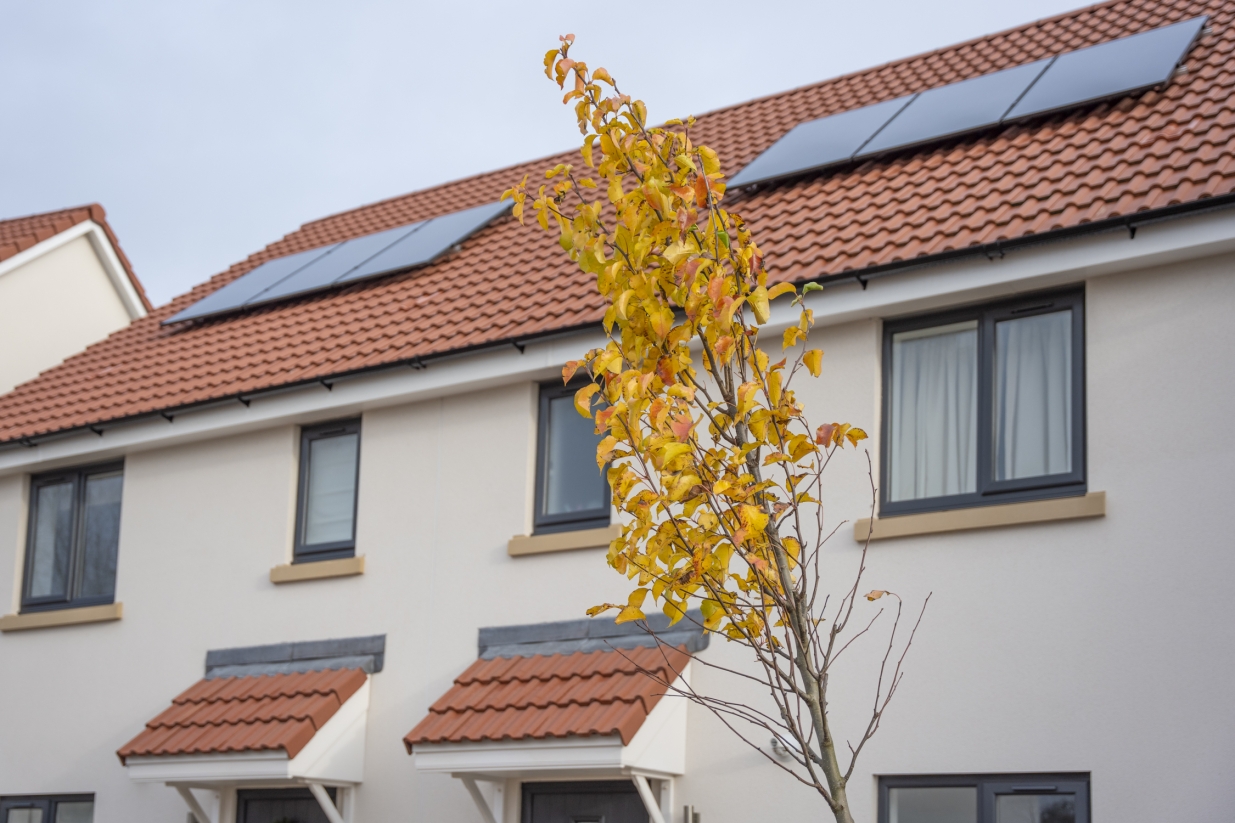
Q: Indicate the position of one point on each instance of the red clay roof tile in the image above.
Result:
(510, 282)
(517, 698)
(238, 714)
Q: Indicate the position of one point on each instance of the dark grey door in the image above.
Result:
(279, 806)
(608, 801)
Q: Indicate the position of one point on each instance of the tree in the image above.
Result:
(715, 464)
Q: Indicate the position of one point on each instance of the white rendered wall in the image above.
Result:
(52, 307)
(1100, 646)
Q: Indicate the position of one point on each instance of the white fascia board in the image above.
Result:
(103, 249)
(931, 286)
(596, 754)
(334, 756)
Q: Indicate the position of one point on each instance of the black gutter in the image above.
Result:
(991, 251)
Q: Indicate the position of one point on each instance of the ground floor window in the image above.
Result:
(985, 798)
(54, 808)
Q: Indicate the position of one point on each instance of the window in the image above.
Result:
(329, 474)
(984, 405)
(72, 538)
(571, 492)
(1001, 798)
(64, 808)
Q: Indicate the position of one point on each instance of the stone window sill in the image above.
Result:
(983, 517)
(562, 541)
(61, 617)
(317, 570)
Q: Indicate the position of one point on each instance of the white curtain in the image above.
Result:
(1033, 396)
(934, 406)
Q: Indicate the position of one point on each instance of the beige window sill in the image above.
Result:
(562, 541)
(61, 617)
(983, 517)
(318, 570)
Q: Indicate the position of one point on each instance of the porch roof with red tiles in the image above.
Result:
(246, 714)
(543, 696)
(1140, 155)
(20, 233)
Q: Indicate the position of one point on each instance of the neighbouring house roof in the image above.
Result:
(247, 714)
(1141, 155)
(20, 233)
(556, 695)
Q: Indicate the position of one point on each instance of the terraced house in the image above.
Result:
(314, 541)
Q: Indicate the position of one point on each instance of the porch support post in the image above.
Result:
(479, 799)
(323, 800)
(649, 799)
(194, 806)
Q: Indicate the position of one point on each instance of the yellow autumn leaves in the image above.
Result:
(708, 453)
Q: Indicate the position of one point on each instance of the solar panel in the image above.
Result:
(325, 271)
(430, 241)
(955, 108)
(1109, 69)
(235, 293)
(819, 143)
(370, 256)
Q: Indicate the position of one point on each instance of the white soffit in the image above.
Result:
(658, 749)
(334, 756)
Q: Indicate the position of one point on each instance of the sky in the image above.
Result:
(210, 129)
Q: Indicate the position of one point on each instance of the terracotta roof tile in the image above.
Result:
(238, 714)
(20, 233)
(517, 698)
(1093, 163)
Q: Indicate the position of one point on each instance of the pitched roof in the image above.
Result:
(245, 714)
(559, 695)
(20, 233)
(1102, 162)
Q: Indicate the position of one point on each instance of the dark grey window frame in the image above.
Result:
(245, 796)
(990, 786)
(340, 548)
(573, 521)
(77, 475)
(988, 490)
(45, 802)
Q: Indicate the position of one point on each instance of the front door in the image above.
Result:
(607, 801)
(279, 806)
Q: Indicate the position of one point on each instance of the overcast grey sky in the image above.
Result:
(210, 129)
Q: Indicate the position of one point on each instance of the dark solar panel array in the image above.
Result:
(1086, 75)
(343, 263)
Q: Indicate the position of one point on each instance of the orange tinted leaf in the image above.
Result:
(568, 371)
(583, 399)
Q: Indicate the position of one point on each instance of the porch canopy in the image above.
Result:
(575, 700)
(286, 715)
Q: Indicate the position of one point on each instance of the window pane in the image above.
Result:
(24, 816)
(572, 481)
(77, 812)
(101, 527)
(330, 504)
(934, 406)
(934, 804)
(1035, 808)
(53, 540)
(1033, 396)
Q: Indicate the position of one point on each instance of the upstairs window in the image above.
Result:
(65, 808)
(985, 405)
(329, 478)
(72, 538)
(571, 492)
(999, 798)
